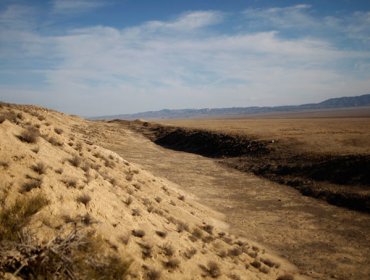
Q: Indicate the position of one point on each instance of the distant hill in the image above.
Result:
(333, 103)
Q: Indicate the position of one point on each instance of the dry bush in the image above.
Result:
(181, 226)
(84, 199)
(158, 199)
(59, 170)
(181, 197)
(75, 161)
(4, 164)
(252, 254)
(28, 186)
(285, 277)
(41, 118)
(124, 239)
(75, 256)
(162, 234)
(70, 183)
(256, 264)
(234, 276)
(87, 219)
(222, 254)
(10, 116)
(264, 269)
(138, 233)
(152, 274)
(136, 212)
(171, 264)
(234, 252)
(58, 130)
(129, 200)
(14, 217)
(146, 250)
(208, 228)
(30, 135)
(197, 233)
(212, 269)
(168, 249)
(129, 177)
(39, 168)
(208, 239)
(189, 253)
(68, 219)
(54, 141)
(85, 167)
(269, 262)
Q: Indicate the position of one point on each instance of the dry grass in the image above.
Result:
(152, 274)
(30, 135)
(189, 253)
(161, 234)
(84, 199)
(76, 256)
(58, 130)
(28, 186)
(39, 168)
(285, 277)
(75, 161)
(138, 233)
(168, 250)
(14, 217)
(70, 183)
(171, 264)
(212, 269)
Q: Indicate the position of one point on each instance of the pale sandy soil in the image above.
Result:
(124, 196)
(324, 241)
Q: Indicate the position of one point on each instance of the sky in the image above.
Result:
(94, 57)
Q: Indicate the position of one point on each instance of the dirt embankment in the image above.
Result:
(340, 180)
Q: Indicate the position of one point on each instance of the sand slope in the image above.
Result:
(164, 232)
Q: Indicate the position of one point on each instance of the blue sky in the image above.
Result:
(93, 57)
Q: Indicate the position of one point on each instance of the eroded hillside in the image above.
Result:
(71, 209)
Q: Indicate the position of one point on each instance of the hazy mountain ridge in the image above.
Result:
(341, 102)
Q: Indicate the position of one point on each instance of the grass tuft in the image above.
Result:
(30, 135)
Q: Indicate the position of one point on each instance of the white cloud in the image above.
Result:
(178, 63)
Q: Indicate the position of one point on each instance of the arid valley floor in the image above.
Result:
(160, 212)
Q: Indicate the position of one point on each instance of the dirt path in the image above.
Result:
(324, 241)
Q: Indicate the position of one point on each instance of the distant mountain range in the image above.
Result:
(333, 103)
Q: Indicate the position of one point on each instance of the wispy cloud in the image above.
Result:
(179, 63)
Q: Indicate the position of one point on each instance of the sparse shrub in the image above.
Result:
(222, 254)
(10, 116)
(158, 199)
(87, 219)
(129, 200)
(39, 168)
(161, 234)
(172, 203)
(146, 250)
(85, 167)
(189, 253)
(30, 135)
(68, 219)
(181, 226)
(227, 240)
(135, 212)
(58, 130)
(129, 177)
(152, 274)
(256, 264)
(285, 277)
(197, 233)
(75, 161)
(212, 269)
(168, 250)
(17, 215)
(28, 186)
(181, 197)
(252, 254)
(268, 262)
(208, 228)
(124, 239)
(41, 118)
(4, 164)
(234, 276)
(54, 141)
(208, 239)
(171, 264)
(84, 199)
(59, 170)
(264, 269)
(138, 233)
(234, 252)
(70, 183)
(137, 186)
